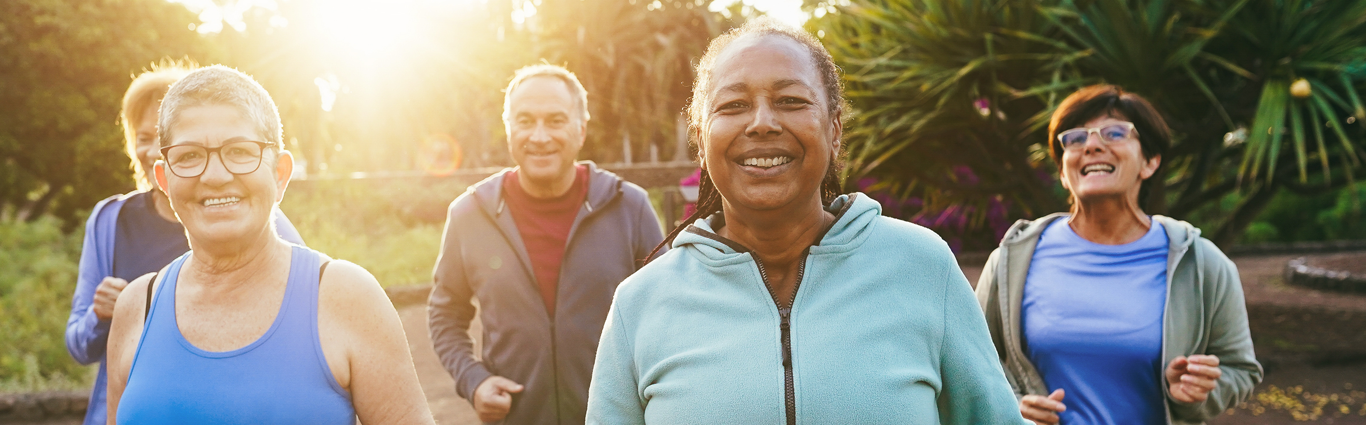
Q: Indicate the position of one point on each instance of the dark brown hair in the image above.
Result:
(1104, 100)
(708, 198)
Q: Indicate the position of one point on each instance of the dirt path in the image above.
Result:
(1312, 345)
(448, 407)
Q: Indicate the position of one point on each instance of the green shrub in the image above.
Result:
(37, 277)
(1343, 220)
(390, 227)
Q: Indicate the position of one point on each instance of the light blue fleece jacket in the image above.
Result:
(884, 329)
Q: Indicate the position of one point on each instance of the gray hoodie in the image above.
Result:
(1204, 314)
(483, 258)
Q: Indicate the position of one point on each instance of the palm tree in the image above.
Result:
(636, 61)
(942, 84)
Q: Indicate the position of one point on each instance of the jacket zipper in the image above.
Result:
(784, 326)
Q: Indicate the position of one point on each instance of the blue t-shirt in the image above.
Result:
(1092, 317)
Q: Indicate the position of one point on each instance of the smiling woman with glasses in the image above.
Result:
(131, 234)
(1106, 314)
(246, 328)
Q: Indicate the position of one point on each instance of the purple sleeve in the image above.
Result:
(86, 335)
(286, 229)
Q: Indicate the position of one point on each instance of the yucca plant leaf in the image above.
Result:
(1297, 133)
(1265, 124)
(1318, 138)
(1226, 64)
(1214, 100)
(1350, 151)
(1358, 110)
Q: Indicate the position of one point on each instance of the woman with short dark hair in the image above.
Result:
(1106, 314)
(782, 300)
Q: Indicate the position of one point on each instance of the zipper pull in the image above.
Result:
(784, 326)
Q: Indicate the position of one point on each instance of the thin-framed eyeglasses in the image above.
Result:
(1118, 132)
(189, 161)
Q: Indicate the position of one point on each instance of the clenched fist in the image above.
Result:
(105, 296)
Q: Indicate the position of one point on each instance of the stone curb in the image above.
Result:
(1298, 273)
(37, 407)
(1296, 248)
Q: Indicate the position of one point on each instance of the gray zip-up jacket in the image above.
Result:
(483, 258)
(1204, 314)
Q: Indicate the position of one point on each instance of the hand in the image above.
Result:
(1190, 379)
(1043, 410)
(493, 398)
(105, 296)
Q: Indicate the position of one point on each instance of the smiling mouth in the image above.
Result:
(766, 162)
(220, 202)
(1097, 168)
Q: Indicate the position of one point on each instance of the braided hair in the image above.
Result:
(709, 200)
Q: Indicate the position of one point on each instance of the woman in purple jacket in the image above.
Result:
(129, 235)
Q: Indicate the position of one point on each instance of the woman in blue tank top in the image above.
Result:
(246, 328)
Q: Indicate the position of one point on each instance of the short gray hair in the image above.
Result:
(220, 85)
(571, 81)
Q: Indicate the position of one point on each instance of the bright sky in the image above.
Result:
(789, 11)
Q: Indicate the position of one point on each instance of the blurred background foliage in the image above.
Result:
(951, 100)
(361, 86)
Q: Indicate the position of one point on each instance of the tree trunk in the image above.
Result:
(1157, 193)
(1243, 216)
(36, 208)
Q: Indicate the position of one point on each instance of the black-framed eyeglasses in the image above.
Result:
(188, 161)
(1076, 138)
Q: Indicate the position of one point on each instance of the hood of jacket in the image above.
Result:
(603, 188)
(1180, 234)
(854, 216)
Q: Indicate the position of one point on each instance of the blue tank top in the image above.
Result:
(281, 378)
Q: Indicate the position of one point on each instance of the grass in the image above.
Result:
(393, 229)
(37, 277)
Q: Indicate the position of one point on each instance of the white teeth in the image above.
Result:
(221, 201)
(767, 162)
(1097, 167)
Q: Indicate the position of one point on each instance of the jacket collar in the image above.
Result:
(1025, 233)
(854, 215)
(603, 187)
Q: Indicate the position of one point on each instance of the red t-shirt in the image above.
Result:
(544, 225)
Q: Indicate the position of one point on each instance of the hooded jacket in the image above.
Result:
(1204, 314)
(483, 258)
(883, 330)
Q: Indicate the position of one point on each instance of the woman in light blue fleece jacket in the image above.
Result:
(782, 301)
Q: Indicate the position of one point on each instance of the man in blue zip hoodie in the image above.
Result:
(541, 247)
